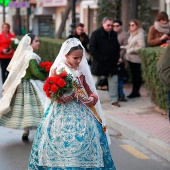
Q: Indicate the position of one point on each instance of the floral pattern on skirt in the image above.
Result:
(70, 138)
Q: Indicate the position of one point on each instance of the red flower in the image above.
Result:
(48, 93)
(61, 83)
(46, 65)
(46, 86)
(54, 88)
(63, 74)
(49, 80)
(42, 64)
(47, 68)
(55, 79)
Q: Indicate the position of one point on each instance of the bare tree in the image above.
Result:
(64, 19)
(129, 10)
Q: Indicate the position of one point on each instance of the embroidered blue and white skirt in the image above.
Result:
(69, 137)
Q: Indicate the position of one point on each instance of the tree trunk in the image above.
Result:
(64, 19)
(3, 13)
(17, 22)
(129, 10)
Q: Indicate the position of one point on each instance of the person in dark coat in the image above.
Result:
(105, 49)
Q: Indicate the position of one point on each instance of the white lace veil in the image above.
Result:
(17, 69)
(84, 69)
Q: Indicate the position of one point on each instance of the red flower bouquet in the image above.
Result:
(58, 85)
(45, 67)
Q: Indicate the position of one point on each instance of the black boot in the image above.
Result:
(133, 95)
(25, 136)
(122, 99)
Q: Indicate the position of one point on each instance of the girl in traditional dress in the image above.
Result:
(22, 104)
(72, 134)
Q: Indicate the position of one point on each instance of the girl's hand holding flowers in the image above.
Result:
(90, 101)
(65, 99)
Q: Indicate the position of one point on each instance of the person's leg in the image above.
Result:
(121, 91)
(4, 65)
(120, 88)
(2, 70)
(136, 79)
(97, 80)
(113, 89)
(25, 135)
(132, 75)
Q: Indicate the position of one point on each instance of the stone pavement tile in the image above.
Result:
(138, 120)
(140, 113)
(154, 124)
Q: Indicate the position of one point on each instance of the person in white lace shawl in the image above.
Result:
(22, 105)
(72, 133)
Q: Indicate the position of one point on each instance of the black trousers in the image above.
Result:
(4, 65)
(136, 76)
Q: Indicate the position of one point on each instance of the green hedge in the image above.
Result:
(49, 48)
(158, 94)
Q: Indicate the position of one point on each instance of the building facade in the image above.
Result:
(44, 17)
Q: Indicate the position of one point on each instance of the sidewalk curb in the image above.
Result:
(157, 146)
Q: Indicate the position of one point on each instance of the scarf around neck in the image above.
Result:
(163, 28)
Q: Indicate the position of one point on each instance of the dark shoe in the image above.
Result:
(25, 136)
(115, 104)
(104, 88)
(133, 95)
(122, 99)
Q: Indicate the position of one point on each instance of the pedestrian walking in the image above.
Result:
(122, 39)
(105, 50)
(72, 133)
(136, 41)
(6, 52)
(22, 104)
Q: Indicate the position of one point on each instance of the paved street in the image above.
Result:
(145, 136)
(127, 154)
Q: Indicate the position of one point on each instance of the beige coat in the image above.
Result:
(136, 41)
(122, 39)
